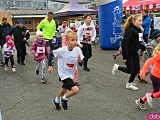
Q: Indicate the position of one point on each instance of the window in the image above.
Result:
(27, 22)
(62, 6)
(42, 4)
(55, 7)
(35, 4)
(25, 3)
(4, 3)
(17, 3)
(10, 3)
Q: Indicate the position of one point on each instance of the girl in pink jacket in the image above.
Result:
(39, 50)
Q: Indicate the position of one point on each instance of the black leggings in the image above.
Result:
(132, 65)
(11, 59)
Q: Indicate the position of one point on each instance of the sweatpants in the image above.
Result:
(41, 63)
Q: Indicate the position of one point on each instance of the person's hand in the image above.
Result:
(90, 42)
(79, 58)
(141, 58)
(50, 69)
(24, 39)
(141, 77)
(80, 45)
(125, 60)
(36, 55)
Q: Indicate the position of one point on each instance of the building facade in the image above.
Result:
(33, 11)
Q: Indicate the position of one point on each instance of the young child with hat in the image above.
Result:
(8, 48)
(39, 50)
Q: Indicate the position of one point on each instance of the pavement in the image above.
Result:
(102, 96)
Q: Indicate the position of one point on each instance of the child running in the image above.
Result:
(154, 76)
(64, 43)
(8, 48)
(130, 47)
(68, 56)
(149, 51)
(39, 50)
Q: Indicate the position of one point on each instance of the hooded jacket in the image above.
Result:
(36, 48)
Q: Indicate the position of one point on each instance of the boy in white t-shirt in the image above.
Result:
(68, 57)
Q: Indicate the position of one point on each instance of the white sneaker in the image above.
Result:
(149, 99)
(13, 70)
(5, 68)
(115, 69)
(131, 86)
(134, 84)
(140, 105)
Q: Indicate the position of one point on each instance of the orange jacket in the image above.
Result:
(155, 60)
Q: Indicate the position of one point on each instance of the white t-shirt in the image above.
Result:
(67, 60)
(86, 31)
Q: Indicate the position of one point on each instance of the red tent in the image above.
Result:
(137, 5)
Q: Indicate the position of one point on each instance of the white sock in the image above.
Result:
(56, 100)
(64, 98)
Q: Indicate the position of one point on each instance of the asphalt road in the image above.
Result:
(101, 97)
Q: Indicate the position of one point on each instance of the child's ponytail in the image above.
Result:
(156, 51)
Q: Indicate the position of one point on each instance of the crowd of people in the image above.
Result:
(76, 49)
(136, 48)
(9, 44)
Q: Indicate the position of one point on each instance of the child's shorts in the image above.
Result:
(68, 83)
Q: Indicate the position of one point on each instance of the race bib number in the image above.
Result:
(140, 36)
(40, 49)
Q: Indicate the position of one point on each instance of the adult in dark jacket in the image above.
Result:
(151, 36)
(5, 27)
(130, 48)
(20, 36)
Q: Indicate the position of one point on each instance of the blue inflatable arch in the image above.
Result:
(109, 16)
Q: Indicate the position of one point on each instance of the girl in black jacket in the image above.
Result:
(130, 47)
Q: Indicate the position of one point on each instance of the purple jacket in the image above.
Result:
(40, 49)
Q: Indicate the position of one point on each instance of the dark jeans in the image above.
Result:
(145, 37)
(21, 52)
(132, 65)
(11, 60)
(87, 52)
(155, 83)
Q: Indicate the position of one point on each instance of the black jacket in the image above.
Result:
(130, 41)
(4, 31)
(19, 34)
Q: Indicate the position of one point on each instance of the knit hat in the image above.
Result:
(156, 34)
(20, 21)
(38, 33)
(8, 37)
